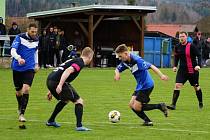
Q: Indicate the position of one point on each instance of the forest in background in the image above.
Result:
(169, 11)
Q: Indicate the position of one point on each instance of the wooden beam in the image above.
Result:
(90, 34)
(98, 21)
(142, 36)
(48, 25)
(136, 22)
(83, 29)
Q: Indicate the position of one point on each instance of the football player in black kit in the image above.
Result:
(189, 60)
(58, 83)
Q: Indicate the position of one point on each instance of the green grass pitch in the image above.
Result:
(101, 95)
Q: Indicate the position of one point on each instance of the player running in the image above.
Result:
(139, 68)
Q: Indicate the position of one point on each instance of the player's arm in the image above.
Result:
(121, 67)
(159, 73)
(64, 76)
(49, 96)
(176, 59)
(36, 61)
(13, 52)
(198, 54)
(117, 75)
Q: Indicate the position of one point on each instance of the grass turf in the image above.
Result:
(101, 95)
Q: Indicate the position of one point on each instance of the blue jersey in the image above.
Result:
(25, 47)
(139, 69)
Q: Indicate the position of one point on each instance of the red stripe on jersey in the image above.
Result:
(188, 59)
(75, 66)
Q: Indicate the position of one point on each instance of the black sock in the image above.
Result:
(142, 115)
(199, 96)
(19, 100)
(57, 109)
(175, 96)
(24, 103)
(147, 107)
(79, 113)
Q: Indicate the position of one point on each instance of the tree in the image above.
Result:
(131, 2)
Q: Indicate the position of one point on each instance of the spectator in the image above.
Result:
(78, 41)
(14, 30)
(52, 40)
(43, 49)
(198, 41)
(2, 32)
(206, 50)
(63, 46)
(57, 46)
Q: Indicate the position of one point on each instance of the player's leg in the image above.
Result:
(175, 97)
(58, 108)
(27, 77)
(143, 97)
(60, 105)
(194, 81)
(24, 102)
(75, 98)
(18, 83)
(136, 107)
(181, 78)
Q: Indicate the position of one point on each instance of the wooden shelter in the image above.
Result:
(88, 18)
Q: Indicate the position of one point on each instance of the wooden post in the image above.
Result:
(90, 34)
(141, 53)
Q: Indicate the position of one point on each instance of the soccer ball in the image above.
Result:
(114, 116)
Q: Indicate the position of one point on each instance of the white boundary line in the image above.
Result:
(104, 123)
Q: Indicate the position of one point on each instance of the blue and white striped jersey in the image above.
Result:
(139, 69)
(26, 47)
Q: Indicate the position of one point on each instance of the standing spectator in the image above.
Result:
(78, 41)
(14, 30)
(206, 50)
(24, 65)
(43, 49)
(2, 32)
(198, 41)
(57, 45)
(63, 46)
(52, 40)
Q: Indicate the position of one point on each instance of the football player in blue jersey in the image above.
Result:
(145, 84)
(24, 65)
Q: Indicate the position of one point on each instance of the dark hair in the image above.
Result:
(32, 25)
(183, 32)
(121, 48)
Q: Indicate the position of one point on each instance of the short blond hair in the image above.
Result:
(87, 52)
(121, 48)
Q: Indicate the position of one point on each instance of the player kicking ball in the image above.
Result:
(58, 83)
(139, 68)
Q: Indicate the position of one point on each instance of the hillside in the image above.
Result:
(169, 11)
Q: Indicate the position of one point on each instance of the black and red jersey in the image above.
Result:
(188, 56)
(76, 63)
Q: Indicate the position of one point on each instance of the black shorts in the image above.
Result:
(143, 95)
(182, 76)
(67, 93)
(24, 77)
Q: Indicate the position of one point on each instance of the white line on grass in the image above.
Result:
(104, 123)
(180, 130)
